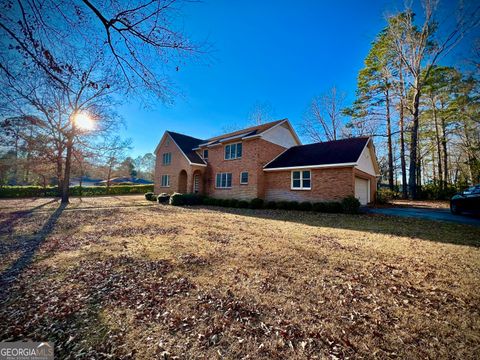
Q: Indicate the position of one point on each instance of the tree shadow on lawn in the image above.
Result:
(443, 232)
(27, 245)
(7, 224)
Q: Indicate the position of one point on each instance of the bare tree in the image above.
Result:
(324, 120)
(136, 38)
(261, 113)
(71, 117)
(419, 49)
(115, 151)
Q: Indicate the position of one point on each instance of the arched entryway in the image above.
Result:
(197, 183)
(182, 182)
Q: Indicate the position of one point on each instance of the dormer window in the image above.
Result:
(205, 154)
(233, 151)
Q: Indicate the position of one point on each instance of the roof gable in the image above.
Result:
(187, 144)
(250, 131)
(338, 152)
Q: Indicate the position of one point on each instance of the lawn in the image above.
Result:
(124, 278)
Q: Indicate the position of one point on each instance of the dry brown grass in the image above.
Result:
(127, 278)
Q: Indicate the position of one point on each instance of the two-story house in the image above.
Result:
(266, 161)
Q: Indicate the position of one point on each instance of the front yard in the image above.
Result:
(124, 278)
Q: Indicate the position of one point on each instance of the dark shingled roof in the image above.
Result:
(324, 153)
(187, 143)
(252, 130)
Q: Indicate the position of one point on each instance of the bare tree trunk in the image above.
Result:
(412, 171)
(402, 138)
(438, 147)
(109, 176)
(445, 152)
(434, 169)
(60, 171)
(389, 138)
(68, 165)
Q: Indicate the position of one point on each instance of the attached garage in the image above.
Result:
(326, 171)
(362, 190)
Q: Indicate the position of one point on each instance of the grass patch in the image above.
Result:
(115, 277)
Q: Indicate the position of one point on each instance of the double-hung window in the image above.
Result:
(301, 180)
(167, 158)
(233, 151)
(165, 181)
(244, 177)
(223, 181)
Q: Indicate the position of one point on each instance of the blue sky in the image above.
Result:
(280, 52)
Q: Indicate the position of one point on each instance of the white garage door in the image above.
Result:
(361, 190)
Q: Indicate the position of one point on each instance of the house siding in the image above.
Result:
(255, 154)
(327, 184)
(178, 163)
(332, 184)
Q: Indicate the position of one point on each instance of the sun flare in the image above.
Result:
(84, 121)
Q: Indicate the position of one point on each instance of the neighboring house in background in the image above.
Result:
(125, 181)
(84, 181)
(266, 161)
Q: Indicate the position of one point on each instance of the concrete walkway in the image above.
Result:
(429, 214)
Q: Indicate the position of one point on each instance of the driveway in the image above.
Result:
(429, 214)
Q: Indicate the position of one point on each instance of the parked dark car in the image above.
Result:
(466, 201)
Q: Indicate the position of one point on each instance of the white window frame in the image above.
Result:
(301, 180)
(241, 182)
(221, 180)
(203, 154)
(166, 158)
(235, 145)
(165, 181)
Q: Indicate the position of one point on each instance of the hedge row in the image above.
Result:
(39, 191)
(349, 205)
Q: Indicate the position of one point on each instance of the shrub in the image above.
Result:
(192, 199)
(437, 191)
(150, 196)
(282, 205)
(176, 199)
(333, 207)
(243, 204)
(305, 206)
(256, 203)
(318, 207)
(220, 202)
(328, 207)
(163, 198)
(350, 205)
(234, 203)
(384, 196)
(271, 205)
(51, 191)
(209, 201)
(227, 203)
(292, 205)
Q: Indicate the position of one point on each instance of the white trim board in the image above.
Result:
(312, 167)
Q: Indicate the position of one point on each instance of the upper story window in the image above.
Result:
(223, 180)
(301, 180)
(244, 177)
(233, 151)
(205, 154)
(166, 158)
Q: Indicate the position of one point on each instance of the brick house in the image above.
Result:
(266, 161)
